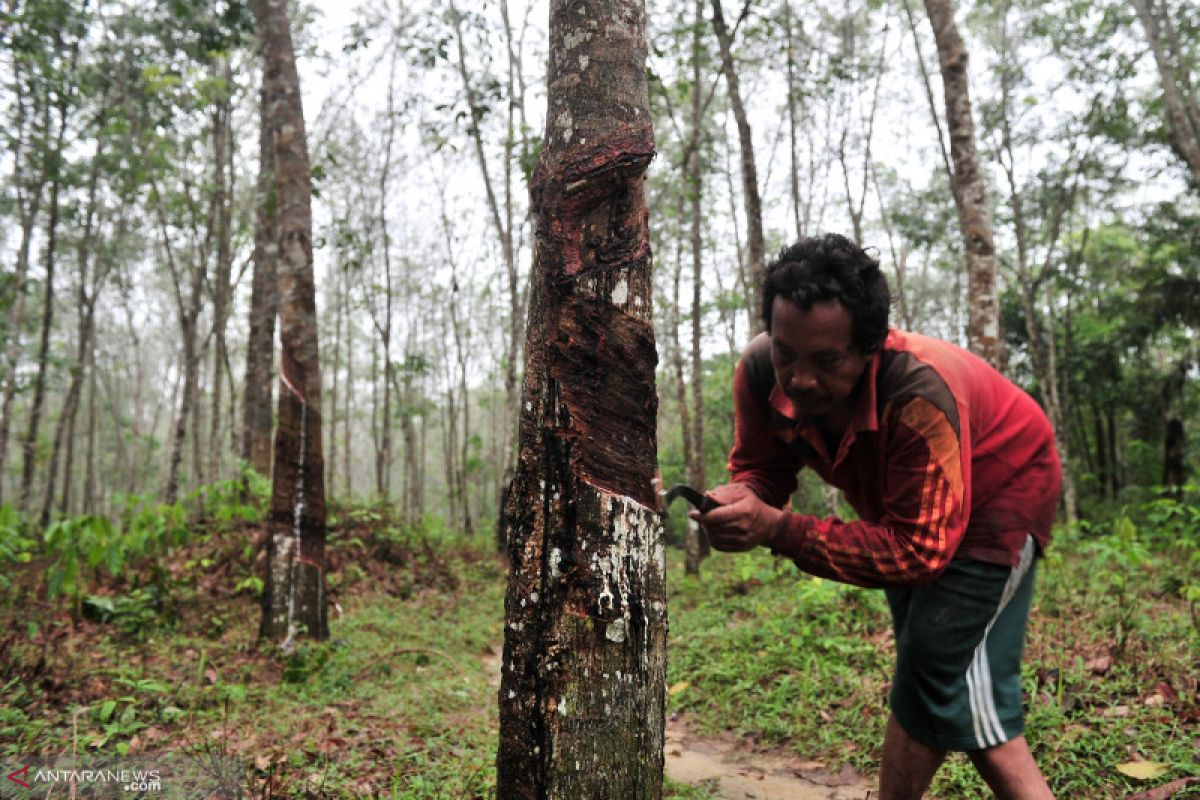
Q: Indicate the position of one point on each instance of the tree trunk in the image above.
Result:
(792, 103)
(89, 474)
(29, 447)
(1042, 353)
(755, 247)
(188, 310)
(294, 600)
(346, 449)
(696, 541)
(927, 84)
(264, 307)
(675, 347)
(974, 218)
(29, 200)
(335, 367)
(502, 222)
(222, 290)
(462, 492)
(86, 308)
(582, 694)
(1182, 112)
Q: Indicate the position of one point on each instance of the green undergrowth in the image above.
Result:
(779, 658)
(400, 702)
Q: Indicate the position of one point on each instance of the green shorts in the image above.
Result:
(958, 654)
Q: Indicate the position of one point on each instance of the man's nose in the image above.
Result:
(802, 381)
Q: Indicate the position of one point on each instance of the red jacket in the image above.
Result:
(943, 457)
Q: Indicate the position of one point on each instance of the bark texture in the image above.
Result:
(974, 217)
(294, 595)
(582, 693)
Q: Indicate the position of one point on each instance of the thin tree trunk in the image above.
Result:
(1183, 116)
(1041, 351)
(696, 541)
(692, 533)
(346, 450)
(983, 304)
(384, 327)
(86, 309)
(294, 600)
(222, 290)
(89, 475)
(264, 307)
(460, 353)
(503, 225)
(29, 200)
(792, 102)
(375, 440)
(585, 639)
(188, 310)
(334, 369)
(29, 447)
(927, 84)
(755, 247)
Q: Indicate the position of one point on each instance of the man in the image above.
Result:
(953, 473)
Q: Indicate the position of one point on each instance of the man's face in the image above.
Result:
(815, 364)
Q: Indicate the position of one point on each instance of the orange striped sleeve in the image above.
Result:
(924, 516)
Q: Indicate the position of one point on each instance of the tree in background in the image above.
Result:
(264, 306)
(585, 636)
(294, 594)
(970, 186)
(1181, 103)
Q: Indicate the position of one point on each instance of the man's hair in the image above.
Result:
(831, 267)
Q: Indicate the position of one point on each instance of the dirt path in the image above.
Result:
(740, 774)
(734, 773)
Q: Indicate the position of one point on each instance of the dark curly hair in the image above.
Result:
(831, 267)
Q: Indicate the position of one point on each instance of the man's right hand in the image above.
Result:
(742, 522)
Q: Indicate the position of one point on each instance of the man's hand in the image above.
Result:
(743, 521)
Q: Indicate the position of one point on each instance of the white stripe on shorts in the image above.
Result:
(988, 730)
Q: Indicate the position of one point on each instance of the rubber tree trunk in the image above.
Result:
(974, 218)
(582, 691)
(294, 599)
(264, 307)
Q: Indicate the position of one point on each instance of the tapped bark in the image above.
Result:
(974, 218)
(582, 693)
(294, 600)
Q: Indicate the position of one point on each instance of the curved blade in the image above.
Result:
(702, 502)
